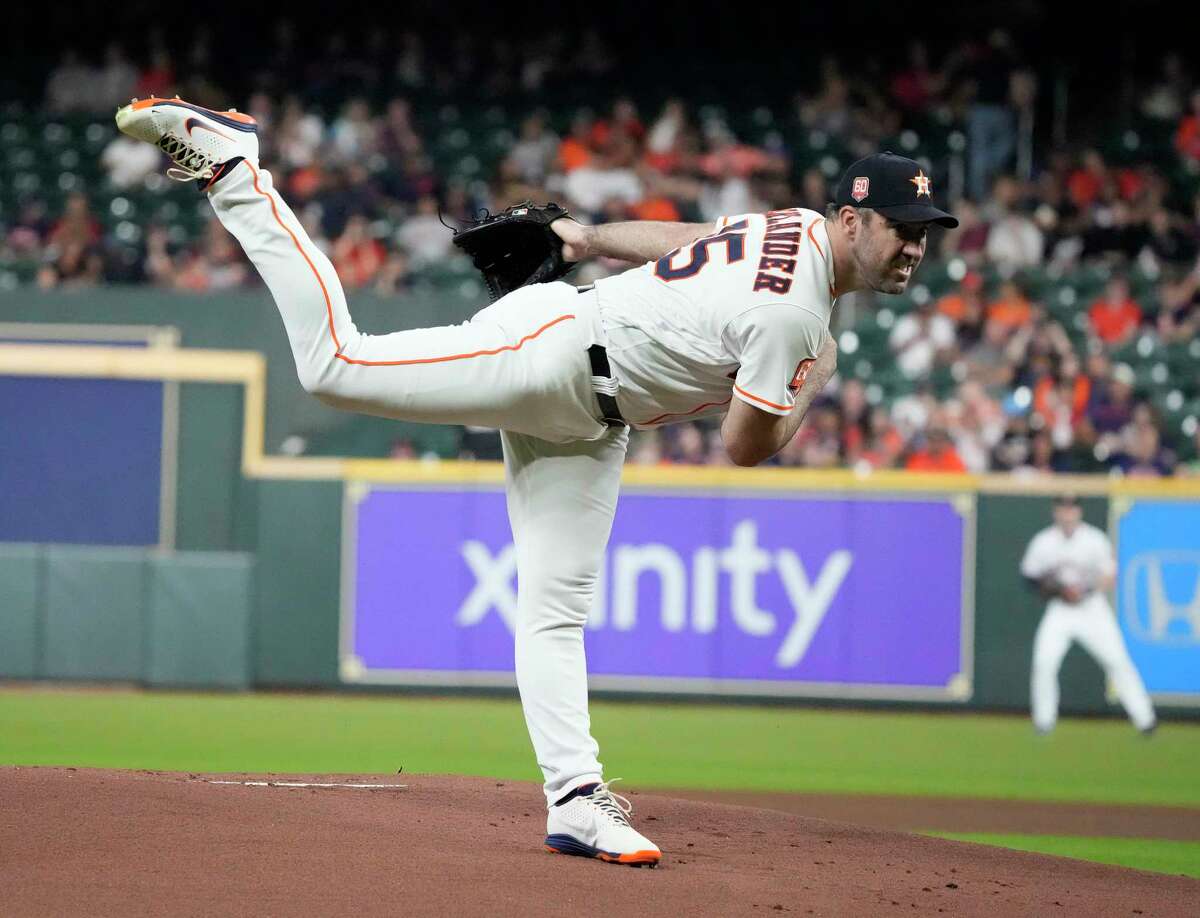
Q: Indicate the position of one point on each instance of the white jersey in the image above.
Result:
(741, 312)
(1080, 560)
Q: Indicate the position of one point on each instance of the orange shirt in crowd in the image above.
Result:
(1084, 186)
(1014, 311)
(1187, 138)
(1113, 324)
(356, 264)
(573, 154)
(953, 305)
(1081, 391)
(924, 460)
(655, 209)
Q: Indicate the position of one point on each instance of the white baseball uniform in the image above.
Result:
(1082, 559)
(739, 313)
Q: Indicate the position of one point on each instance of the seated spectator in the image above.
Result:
(158, 77)
(397, 136)
(1178, 318)
(575, 150)
(70, 85)
(533, 153)
(686, 445)
(666, 139)
(1187, 135)
(605, 177)
(1115, 316)
(915, 86)
(969, 239)
(71, 263)
(128, 162)
(936, 454)
(216, 264)
(883, 444)
(1144, 455)
(27, 233)
(116, 80)
(1167, 241)
(1043, 458)
(912, 413)
(965, 308)
(624, 122)
(920, 339)
(1110, 407)
(1014, 241)
(77, 225)
(394, 277)
(1086, 182)
(1010, 308)
(424, 236)
(357, 255)
(976, 425)
(818, 444)
(354, 135)
(1061, 399)
(299, 135)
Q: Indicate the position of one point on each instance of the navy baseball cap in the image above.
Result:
(894, 186)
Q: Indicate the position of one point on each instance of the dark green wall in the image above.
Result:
(1007, 611)
(298, 589)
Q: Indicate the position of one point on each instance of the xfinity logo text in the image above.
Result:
(689, 589)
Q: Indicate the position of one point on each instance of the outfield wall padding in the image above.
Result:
(127, 615)
(94, 614)
(199, 619)
(299, 564)
(20, 569)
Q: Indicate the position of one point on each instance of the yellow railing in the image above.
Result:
(248, 369)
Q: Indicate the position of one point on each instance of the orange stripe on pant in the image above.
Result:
(329, 307)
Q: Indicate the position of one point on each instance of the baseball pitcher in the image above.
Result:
(729, 318)
(1073, 564)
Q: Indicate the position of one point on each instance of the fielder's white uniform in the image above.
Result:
(740, 313)
(1082, 559)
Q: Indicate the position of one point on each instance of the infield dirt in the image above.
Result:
(91, 842)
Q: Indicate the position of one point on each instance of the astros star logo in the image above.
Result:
(924, 185)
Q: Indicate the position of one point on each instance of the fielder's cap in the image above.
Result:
(1067, 499)
(894, 186)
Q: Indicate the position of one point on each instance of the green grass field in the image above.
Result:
(648, 744)
(1176, 857)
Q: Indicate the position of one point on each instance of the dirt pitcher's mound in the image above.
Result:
(84, 842)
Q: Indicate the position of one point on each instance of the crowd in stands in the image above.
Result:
(985, 374)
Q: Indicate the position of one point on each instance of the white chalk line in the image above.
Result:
(309, 784)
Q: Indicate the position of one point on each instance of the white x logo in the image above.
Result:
(493, 585)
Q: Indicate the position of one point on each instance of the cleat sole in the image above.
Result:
(565, 844)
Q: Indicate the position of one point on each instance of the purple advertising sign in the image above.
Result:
(761, 595)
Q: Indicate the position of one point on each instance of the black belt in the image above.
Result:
(610, 413)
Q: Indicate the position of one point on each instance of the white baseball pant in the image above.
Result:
(520, 365)
(1092, 624)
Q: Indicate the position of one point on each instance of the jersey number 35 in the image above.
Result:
(733, 237)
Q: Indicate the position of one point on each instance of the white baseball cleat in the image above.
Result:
(198, 140)
(594, 822)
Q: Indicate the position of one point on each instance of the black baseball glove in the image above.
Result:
(515, 247)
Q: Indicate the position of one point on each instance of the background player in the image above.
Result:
(727, 318)
(1073, 563)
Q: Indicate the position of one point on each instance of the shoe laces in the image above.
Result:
(190, 163)
(612, 804)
